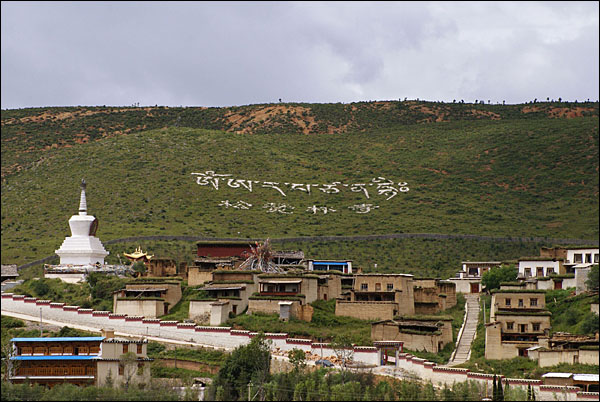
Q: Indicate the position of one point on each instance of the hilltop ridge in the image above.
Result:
(41, 129)
(491, 170)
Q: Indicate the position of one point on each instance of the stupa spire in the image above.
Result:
(82, 247)
(82, 200)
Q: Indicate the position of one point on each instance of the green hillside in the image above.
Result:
(488, 170)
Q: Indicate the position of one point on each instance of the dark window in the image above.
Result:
(364, 286)
(520, 302)
(124, 346)
(121, 369)
(139, 348)
(507, 302)
(390, 287)
(533, 302)
(536, 326)
(509, 325)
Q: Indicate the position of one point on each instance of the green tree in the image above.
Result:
(592, 281)
(344, 350)
(500, 391)
(139, 267)
(297, 359)
(129, 362)
(492, 278)
(248, 363)
(40, 287)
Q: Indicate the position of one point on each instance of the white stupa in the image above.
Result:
(82, 247)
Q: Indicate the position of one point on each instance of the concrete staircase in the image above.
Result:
(463, 350)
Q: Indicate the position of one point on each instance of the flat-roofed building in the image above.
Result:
(433, 295)
(518, 321)
(273, 289)
(147, 298)
(428, 333)
(587, 382)
(344, 266)
(540, 267)
(224, 248)
(78, 360)
(9, 272)
(378, 297)
(468, 279)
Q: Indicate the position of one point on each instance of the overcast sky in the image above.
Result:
(222, 54)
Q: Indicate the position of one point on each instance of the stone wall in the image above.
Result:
(366, 310)
(145, 308)
(68, 277)
(267, 306)
(112, 367)
(427, 308)
(219, 312)
(199, 276)
(233, 276)
(547, 358)
(332, 289)
(464, 285)
(449, 289)
(389, 331)
(199, 308)
(310, 289)
(545, 285)
(224, 337)
(172, 296)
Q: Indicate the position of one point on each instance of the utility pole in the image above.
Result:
(321, 341)
(483, 311)
(41, 328)
(249, 390)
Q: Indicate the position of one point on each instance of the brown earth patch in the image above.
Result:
(530, 109)
(554, 224)
(436, 171)
(483, 113)
(569, 113)
(67, 115)
(245, 123)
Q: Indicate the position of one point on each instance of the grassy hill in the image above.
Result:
(490, 170)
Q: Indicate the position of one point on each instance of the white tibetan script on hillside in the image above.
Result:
(378, 185)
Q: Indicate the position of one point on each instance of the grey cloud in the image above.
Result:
(219, 54)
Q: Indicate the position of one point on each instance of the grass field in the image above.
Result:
(525, 175)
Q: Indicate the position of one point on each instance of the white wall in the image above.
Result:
(224, 337)
(533, 265)
(592, 252)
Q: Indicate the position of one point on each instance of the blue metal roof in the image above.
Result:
(63, 339)
(329, 263)
(55, 357)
